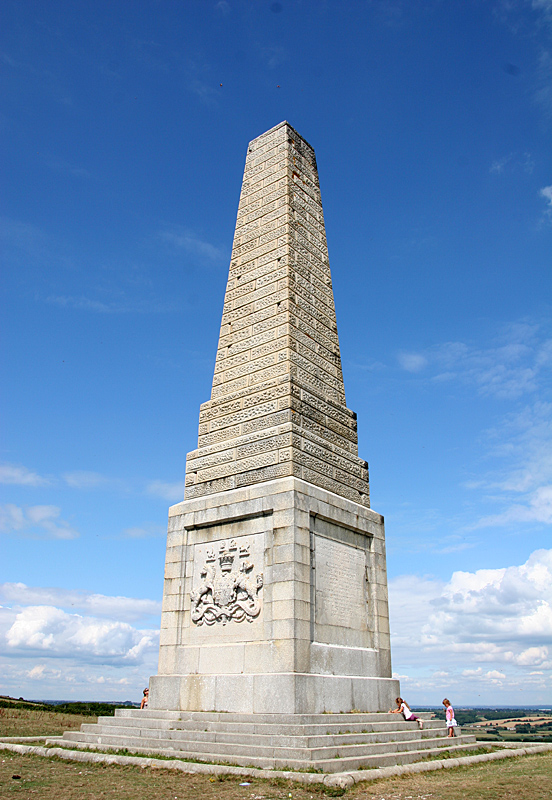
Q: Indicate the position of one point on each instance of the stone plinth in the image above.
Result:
(309, 630)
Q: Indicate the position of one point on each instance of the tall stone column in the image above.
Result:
(275, 595)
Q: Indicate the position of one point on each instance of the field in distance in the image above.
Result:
(19, 717)
(504, 724)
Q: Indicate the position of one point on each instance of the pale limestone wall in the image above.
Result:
(277, 405)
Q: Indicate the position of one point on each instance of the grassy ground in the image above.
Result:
(27, 777)
(24, 722)
(524, 778)
(505, 736)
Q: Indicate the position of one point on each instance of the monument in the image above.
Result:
(275, 596)
(275, 620)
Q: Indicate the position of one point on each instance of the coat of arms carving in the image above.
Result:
(229, 589)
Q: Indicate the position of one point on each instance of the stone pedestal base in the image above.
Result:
(290, 693)
(275, 601)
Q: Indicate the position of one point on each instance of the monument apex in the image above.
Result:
(275, 597)
(277, 404)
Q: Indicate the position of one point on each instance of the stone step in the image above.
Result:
(280, 719)
(326, 742)
(228, 750)
(274, 739)
(340, 764)
(388, 759)
(245, 728)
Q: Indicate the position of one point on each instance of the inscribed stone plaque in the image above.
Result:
(340, 585)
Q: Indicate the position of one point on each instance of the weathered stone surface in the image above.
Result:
(278, 359)
(276, 578)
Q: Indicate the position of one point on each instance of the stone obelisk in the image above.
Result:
(275, 595)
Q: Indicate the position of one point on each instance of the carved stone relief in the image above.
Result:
(226, 584)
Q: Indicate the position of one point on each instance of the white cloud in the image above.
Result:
(174, 492)
(47, 650)
(36, 520)
(494, 674)
(58, 634)
(499, 617)
(532, 657)
(122, 608)
(11, 473)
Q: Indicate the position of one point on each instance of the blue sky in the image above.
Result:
(125, 129)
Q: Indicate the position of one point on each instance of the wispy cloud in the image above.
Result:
(273, 56)
(184, 239)
(35, 520)
(521, 484)
(122, 608)
(84, 480)
(537, 508)
(114, 306)
(24, 243)
(546, 193)
(89, 480)
(173, 492)
(14, 474)
(513, 162)
(510, 368)
(144, 531)
(412, 362)
(498, 165)
(545, 6)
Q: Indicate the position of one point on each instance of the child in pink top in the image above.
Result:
(449, 716)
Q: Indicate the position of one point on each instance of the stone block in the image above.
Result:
(217, 659)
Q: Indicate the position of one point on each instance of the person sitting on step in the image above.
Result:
(404, 709)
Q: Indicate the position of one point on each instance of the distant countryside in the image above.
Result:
(503, 724)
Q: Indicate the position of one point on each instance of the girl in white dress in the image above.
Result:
(404, 709)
